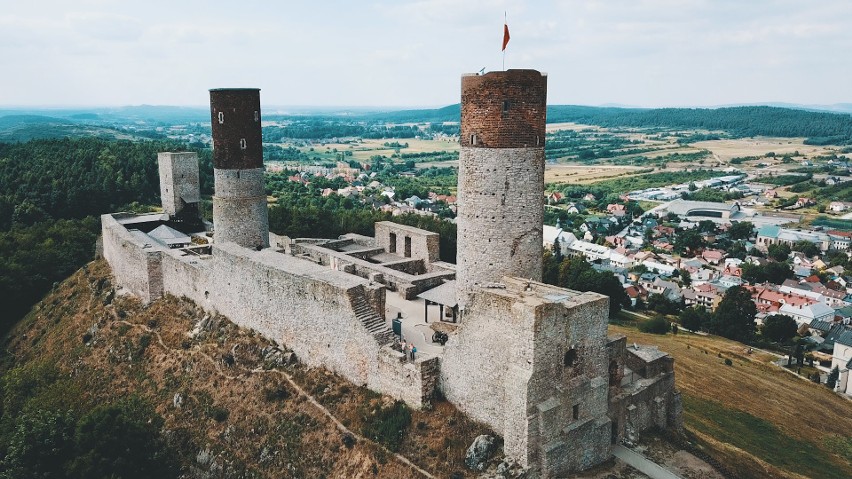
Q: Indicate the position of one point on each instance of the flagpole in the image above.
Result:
(504, 48)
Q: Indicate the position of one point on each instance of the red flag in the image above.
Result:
(505, 36)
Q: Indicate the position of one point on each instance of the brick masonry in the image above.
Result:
(504, 109)
(235, 118)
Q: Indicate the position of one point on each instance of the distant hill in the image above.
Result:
(16, 128)
(742, 121)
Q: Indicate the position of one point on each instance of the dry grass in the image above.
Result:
(759, 146)
(251, 419)
(761, 421)
(584, 174)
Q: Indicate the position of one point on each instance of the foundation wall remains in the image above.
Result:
(408, 285)
(407, 241)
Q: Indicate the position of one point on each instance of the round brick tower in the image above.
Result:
(501, 177)
(239, 202)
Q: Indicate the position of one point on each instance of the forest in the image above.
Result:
(51, 194)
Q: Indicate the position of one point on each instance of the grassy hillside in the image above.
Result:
(757, 419)
(229, 408)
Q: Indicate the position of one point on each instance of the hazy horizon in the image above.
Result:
(411, 54)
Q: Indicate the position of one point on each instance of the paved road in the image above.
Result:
(642, 463)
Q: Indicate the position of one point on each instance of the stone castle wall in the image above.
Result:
(500, 214)
(240, 214)
(411, 381)
(131, 258)
(305, 306)
(179, 181)
(505, 366)
(423, 244)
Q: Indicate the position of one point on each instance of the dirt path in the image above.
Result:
(218, 367)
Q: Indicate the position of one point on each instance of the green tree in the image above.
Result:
(122, 440)
(776, 273)
(663, 305)
(688, 241)
(778, 251)
(809, 249)
(577, 274)
(734, 317)
(40, 444)
(779, 328)
(695, 318)
(655, 325)
(741, 230)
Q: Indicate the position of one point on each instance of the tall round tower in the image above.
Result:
(501, 177)
(239, 202)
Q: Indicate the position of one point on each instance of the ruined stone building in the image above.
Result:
(532, 361)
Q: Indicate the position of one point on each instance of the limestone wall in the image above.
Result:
(132, 260)
(239, 208)
(408, 285)
(295, 302)
(506, 366)
(179, 181)
(305, 306)
(422, 244)
(500, 213)
(412, 381)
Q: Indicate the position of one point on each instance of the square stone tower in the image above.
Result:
(179, 184)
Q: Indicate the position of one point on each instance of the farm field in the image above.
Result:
(585, 174)
(759, 420)
(742, 147)
(364, 149)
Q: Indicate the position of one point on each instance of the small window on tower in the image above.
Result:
(221, 117)
(243, 144)
(505, 106)
(256, 115)
(570, 357)
(575, 411)
(473, 140)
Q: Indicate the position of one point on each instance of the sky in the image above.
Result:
(400, 53)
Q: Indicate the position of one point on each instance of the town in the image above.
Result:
(681, 256)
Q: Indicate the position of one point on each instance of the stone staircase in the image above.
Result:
(372, 321)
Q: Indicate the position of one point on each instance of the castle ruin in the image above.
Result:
(532, 361)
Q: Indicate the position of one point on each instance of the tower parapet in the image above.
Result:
(239, 202)
(501, 177)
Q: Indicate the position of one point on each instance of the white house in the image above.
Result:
(552, 233)
(806, 313)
